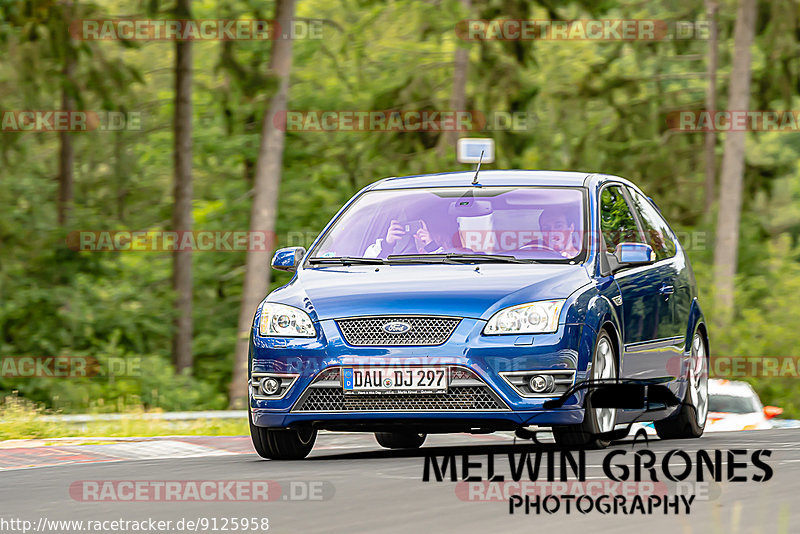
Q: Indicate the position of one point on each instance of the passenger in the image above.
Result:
(398, 241)
(558, 233)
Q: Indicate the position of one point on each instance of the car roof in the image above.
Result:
(487, 178)
(735, 388)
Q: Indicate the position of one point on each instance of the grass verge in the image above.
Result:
(21, 419)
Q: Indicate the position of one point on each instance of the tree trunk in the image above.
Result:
(182, 209)
(731, 176)
(458, 97)
(66, 153)
(265, 204)
(711, 106)
(121, 171)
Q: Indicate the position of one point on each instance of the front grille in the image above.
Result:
(466, 393)
(369, 331)
(461, 398)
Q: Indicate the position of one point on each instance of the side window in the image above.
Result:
(617, 223)
(655, 228)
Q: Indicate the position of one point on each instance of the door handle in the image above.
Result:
(667, 290)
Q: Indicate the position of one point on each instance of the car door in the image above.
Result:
(639, 287)
(675, 291)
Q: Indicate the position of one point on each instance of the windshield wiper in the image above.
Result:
(455, 258)
(346, 260)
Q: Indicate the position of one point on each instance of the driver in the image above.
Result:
(558, 232)
(398, 241)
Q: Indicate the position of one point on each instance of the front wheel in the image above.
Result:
(691, 419)
(595, 420)
(282, 443)
(400, 440)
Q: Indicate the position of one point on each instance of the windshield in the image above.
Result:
(732, 404)
(526, 223)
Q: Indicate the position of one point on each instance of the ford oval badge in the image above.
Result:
(396, 327)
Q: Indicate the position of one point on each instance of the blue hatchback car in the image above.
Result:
(468, 302)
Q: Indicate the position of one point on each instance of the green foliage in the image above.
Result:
(596, 106)
(768, 309)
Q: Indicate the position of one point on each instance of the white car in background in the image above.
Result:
(734, 405)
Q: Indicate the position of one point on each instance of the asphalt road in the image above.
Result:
(368, 489)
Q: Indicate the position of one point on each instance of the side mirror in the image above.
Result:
(772, 411)
(287, 259)
(632, 255)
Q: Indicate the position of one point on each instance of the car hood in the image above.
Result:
(475, 291)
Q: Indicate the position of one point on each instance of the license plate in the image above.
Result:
(395, 379)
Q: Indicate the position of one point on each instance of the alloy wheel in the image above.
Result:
(604, 370)
(698, 380)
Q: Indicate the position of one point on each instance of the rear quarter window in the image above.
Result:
(656, 229)
(617, 223)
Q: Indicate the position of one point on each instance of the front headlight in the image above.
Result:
(532, 318)
(285, 321)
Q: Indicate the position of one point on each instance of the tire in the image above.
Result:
(691, 419)
(400, 440)
(282, 443)
(595, 421)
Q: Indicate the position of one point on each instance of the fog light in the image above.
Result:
(542, 383)
(270, 385)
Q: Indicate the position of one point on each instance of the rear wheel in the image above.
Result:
(595, 420)
(691, 419)
(282, 443)
(400, 440)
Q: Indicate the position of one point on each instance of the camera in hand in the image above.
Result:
(411, 227)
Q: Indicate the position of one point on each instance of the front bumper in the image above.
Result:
(486, 356)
